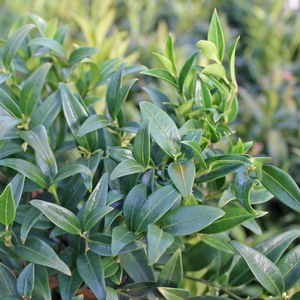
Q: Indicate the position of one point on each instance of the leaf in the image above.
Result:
(263, 269)
(38, 252)
(92, 123)
(32, 215)
(282, 186)
(162, 128)
(161, 74)
(231, 58)
(215, 70)
(172, 272)
(133, 202)
(156, 205)
(217, 243)
(7, 206)
(51, 28)
(14, 42)
(41, 282)
(136, 266)
(60, 216)
(296, 296)
(174, 293)
(141, 145)
(126, 167)
(68, 285)
(27, 169)
(169, 52)
(95, 216)
(189, 219)
(121, 237)
(100, 243)
(209, 50)
(110, 267)
(91, 271)
(80, 53)
(17, 184)
(25, 282)
(51, 44)
(139, 289)
(289, 267)
(164, 61)
(10, 105)
(111, 294)
(182, 173)
(37, 138)
(157, 243)
(185, 71)
(215, 34)
(8, 282)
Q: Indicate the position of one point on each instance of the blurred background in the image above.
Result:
(267, 62)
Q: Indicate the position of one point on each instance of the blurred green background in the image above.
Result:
(267, 60)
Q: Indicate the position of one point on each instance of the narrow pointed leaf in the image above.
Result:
(69, 285)
(8, 282)
(32, 88)
(25, 282)
(126, 167)
(231, 58)
(10, 105)
(38, 252)
(164, 61)
(174, 294)
(92, 123)
(91, 271)
(263, 269)
(7, 122)
(169, 52)
(70, 170)
(197, 151)
(80, 53)
(41, 282)
(158, 242)
(139, 289)
(95, 216)
(7, 206)
(60, 216)
(17, 185)
(14, 42)
(161, 74)
(216, 243)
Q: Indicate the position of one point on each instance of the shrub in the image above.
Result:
(93, 206)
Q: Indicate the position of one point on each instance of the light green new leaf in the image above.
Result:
(80, 53)
(7, 206)
(215, 70)
(157, 243)
(263, 269)
(141, 145)
(14, 42)
(8, 282)
(69, 285)
(231, 58)
(31, 91)
(164, 61)
(189, 219)
(41, 282)
(121, 237)
(92, 123)
(169, 52)
(25, 282)
(51, 27)
(26, 168)
(162, 74)
(282, 186)
(60, 216)
(182, 173)
(162, 128)
(37, 138)
(174, 294)
(215, 34)
(126, 167)
(38, 252)
(10, 105)
(91, 271)
(172, 272)
(209, 50)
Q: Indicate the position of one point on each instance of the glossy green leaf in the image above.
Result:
(141, 145)
(174, 294)
(32, 215)
(289, 267)
(133, 202)
(215, 34)
(185, 71)
(157, 243)
(156, 205)
(80, 53)
(136, 266)
(126, 167)
(231, 58)
(95, 216)
(139, 289)
(14, 42)
(162, 128)
(111, 294)
(169, 52)
(215, 242)
(92, 123)
(7, 122)
(8, 282)
(164, 61)
(37, 138)
(121, 237)
(91, 271)
(10, 105)
(234, 109)
(7, 206)
(189, 219)
(68, 285)
(51, 44)
(209, 50)
(60, 216)
(172, 273)
(182, 173)
(38, 252)
(203, 96)
(41, 282)
(263, 269)
(17, 184)
(26, 168)
(100, 243)
(25, 282)
(31, 90)
(110, 267)
(215, 70)
(208, 297)
(161, 74)
(282, 186)
(296, 296)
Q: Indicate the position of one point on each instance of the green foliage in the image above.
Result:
(119, 209)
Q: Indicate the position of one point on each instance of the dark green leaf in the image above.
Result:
(100, 243)
(25, 282)
(139, 289)
(17, 185)
(111, 294)
(92, 123)
(95, 216)
(10, 105)
(80, 53)
(7, 122)
(296, 296)
(91, 271)
(161, 74)
(41, 282)
(110, 267)
(126, 167)
(8, 282)
(38, 252)
(7, 206)
(68, 285)
(216, 242)
(174, 294)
